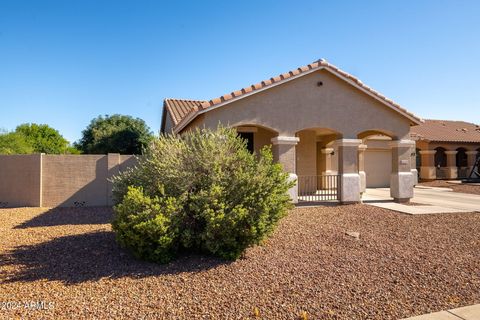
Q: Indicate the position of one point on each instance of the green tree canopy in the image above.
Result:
(116, 133)
(43, 138)
(34, 138)
(14, 143)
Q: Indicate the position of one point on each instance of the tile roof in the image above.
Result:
(201, 106)
(179, 108)
(446, 131)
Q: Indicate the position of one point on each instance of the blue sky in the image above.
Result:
(65, 62)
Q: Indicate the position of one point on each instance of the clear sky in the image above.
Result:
(65, 62)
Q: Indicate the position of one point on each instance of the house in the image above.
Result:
(446, 149)
(321, 123)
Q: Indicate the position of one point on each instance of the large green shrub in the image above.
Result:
(202, 192)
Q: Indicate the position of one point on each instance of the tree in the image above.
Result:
(116, 133)
(14, 143)
(43, 138)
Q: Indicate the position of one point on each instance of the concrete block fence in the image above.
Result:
(41, 180)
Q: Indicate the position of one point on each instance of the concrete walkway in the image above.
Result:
(464, 313)
(432, 200)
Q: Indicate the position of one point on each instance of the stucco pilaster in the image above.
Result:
(401, 179)
(284, 153)
(348, 170)
(427, 168)
(361, 167)
(471, 158)
(113, 167)
(452, 171)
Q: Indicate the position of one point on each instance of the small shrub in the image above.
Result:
(201, 192)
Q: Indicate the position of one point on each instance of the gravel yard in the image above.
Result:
(464, 188)
(401, 266)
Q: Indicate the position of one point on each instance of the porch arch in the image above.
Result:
(376, 132)
(317, 162)
(257, 136)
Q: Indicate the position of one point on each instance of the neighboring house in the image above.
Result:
(321, 123)
(446, 149)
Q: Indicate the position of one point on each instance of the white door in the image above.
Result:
(378, 166)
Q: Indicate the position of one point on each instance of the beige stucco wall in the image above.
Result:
(306, 153)
(262, 138)
(301, 104)
(59, 180)
(20, 180)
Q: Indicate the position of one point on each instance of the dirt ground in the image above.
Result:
(65, 263)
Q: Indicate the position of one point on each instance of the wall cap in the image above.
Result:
(404, 143)
(474, 152)
(285, 140)
(362, 147)
(451, 152)
(427, 151)
(348, 142)
(327, 150)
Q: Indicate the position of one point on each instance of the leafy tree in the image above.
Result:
(43, 138)
(14, 143)
(115, 133)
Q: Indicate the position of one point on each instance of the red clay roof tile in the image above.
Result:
(446, 131)
(179, 114)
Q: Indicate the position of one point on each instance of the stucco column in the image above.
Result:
(326, 167)
(361, 167)
(113, 168)
(348, 170)
(284, 153)
(452, 171)
(471, 157)
(401, 179)
(413, 163)
(427, 169)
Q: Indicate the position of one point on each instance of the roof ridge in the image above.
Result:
(320, 63)
(180, 99)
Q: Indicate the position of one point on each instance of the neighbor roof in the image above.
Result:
(446, 131)
(182, 117)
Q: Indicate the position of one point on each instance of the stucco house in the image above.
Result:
(324, 126)
(446, 149)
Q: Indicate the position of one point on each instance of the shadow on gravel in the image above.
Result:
(90, 257)
(69, 216)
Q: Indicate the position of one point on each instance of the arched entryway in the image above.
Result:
(317, 164)
(256, 136)
(461, 161)
(441, 163)
(418, 159)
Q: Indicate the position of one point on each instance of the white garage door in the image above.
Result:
(378, 166)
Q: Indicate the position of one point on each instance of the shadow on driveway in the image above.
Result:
(89, 257)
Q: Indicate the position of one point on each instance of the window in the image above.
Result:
(248, 136)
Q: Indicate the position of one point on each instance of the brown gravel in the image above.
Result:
(400, 266)
(464, 188)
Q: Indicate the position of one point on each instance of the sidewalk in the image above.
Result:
(464, 313)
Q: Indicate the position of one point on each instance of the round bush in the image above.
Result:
(203, 191)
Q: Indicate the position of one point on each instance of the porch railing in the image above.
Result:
(318, 188)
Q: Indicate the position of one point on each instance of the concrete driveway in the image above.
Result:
(438, 197)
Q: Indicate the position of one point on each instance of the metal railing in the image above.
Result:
(463, 172)
(441, 173)
(318, 188)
